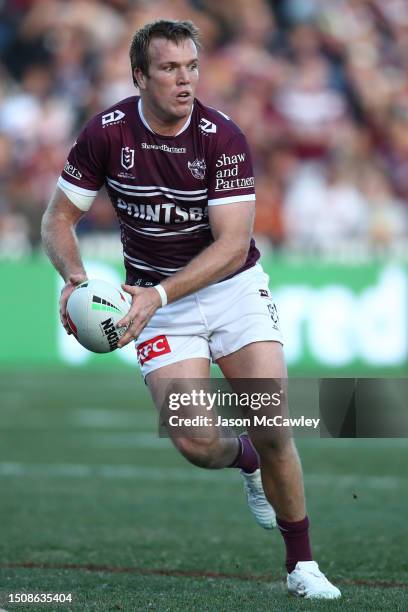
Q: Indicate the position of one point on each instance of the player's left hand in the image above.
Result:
(145, 302)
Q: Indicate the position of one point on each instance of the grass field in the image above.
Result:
(94, 504)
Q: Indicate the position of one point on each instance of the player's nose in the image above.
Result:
(183, 76)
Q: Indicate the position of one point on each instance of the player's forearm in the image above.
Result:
(61, 245)
(214, 263)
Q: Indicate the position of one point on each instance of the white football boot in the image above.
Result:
(309, 582)
(258, 504)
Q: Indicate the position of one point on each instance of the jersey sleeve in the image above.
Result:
(84, 171)
(231, 176)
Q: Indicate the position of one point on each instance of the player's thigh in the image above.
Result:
(172, 388)
(255, 360)
(259, 369)
(180, 375)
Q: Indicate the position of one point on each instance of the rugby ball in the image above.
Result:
(93, 309)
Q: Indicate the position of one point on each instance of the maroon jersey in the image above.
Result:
(161, 186)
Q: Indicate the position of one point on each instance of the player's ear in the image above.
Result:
(140, 78)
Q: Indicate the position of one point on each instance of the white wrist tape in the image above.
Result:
(162, 292)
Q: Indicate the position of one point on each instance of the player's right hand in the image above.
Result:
(73, 281)
(145, 302)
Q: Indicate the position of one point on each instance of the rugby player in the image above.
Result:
(179, 176)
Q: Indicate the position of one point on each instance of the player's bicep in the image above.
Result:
(60, 208)
(233, 221)
(85, 169)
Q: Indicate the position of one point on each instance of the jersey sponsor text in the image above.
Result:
(223, 184)
(163, 147)
(162, 213)
(72, 171)
(229, 160)
(226, 178)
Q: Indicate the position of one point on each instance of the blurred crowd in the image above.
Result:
(319, 88)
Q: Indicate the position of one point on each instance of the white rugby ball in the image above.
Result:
(93, 309)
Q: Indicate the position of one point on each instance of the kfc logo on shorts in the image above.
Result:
(155, 347)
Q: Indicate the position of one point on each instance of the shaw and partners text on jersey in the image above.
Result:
(224, 177)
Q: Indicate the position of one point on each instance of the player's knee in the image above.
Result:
(202, 452)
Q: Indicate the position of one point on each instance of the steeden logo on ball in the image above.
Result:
(93, 310)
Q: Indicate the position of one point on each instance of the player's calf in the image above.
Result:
(211, 453)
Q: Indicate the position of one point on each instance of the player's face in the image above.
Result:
(168, 90)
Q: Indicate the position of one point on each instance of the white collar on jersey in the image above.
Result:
(143, 119)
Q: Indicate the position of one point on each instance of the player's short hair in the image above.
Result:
(176, 31)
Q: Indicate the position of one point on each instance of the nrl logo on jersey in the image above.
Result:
(207, 127)
(113, 117)
(197, 168)
(127, 158)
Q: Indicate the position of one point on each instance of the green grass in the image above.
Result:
(93, 503)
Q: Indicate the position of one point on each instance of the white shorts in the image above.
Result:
(213, 322)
